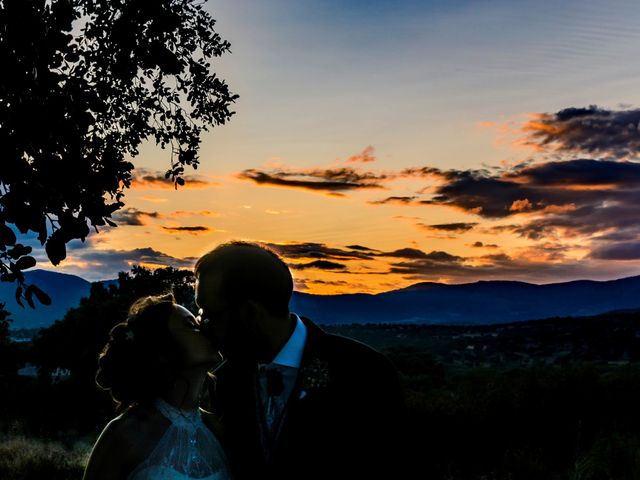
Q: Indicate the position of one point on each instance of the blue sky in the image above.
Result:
(420, 86)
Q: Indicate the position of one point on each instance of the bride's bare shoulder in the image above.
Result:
(110, 456)
(123, 443)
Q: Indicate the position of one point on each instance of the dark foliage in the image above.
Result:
(74, 343)
(84, 83)
(549, 399)
(512, 411)
(8, 350)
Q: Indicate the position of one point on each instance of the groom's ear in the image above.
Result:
(253, 317)
(251, 311)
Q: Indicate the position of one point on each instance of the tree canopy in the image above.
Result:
(74, 342)
(84, 84)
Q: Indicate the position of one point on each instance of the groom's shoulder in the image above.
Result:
(346, 351)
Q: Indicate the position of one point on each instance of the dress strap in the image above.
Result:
(178, 416)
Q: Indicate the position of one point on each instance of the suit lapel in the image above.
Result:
(237, 396)
(295, 411)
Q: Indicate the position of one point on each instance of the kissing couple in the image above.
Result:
(246, 389)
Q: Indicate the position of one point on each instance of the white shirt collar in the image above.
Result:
(291, 353)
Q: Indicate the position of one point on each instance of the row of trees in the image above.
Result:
(73, 344)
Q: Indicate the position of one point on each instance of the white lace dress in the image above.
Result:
(187, 450)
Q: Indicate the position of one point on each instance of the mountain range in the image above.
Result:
(478, 303)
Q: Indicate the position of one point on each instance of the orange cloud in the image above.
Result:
(570, 207)
(190, 213)
(522, 205)
(155, 199)
(366, 156)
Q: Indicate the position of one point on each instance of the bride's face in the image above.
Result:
(197, 349)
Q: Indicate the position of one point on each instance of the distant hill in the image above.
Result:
(484, 302)
(65, 292)
(479, 303)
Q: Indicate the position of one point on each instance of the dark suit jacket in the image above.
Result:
(350, 425)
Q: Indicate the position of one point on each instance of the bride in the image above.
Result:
(154, 365)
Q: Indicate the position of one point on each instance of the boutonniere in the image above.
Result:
(315, 376)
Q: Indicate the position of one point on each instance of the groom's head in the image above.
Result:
(244, 290)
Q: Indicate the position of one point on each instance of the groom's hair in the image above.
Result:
(250, 271)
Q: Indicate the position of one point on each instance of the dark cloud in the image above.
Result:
(484, 245)
(405, 253)
(140, 255)
(588, 220)
(327, 180)
(145, 179)
(596, 199)
(319, 264)
(621, 235)
(549, 187)
(396, 200)
(498, 258)
(443, 257)
(317, 250)
(361, 248)
(588, 130)
(488, 197)
(480, 192)
(505, 267)
(499, 229)
(193, 230)
(450, 227)
(335, 283)
(580, 173)
(133, 216)
(617, 251)
(431, 172)
(414, 253)
(93, 264)
(549, 251)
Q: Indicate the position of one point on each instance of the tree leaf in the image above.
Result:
(28, 294)
(7, 277)
(42, 297)
(7, 237)
(19, 296)
(25, 263)
(56, 249)
(19, 250)
(145, 75)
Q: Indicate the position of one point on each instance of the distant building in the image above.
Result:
(28, 371)
(57, 375)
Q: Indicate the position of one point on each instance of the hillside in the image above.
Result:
(479, 303)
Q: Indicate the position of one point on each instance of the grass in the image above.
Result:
(23, 458)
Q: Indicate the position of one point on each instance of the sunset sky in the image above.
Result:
(378, 144)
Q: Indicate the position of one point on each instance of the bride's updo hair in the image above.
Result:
(141, 357)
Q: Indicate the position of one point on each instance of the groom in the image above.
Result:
(293, 401)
